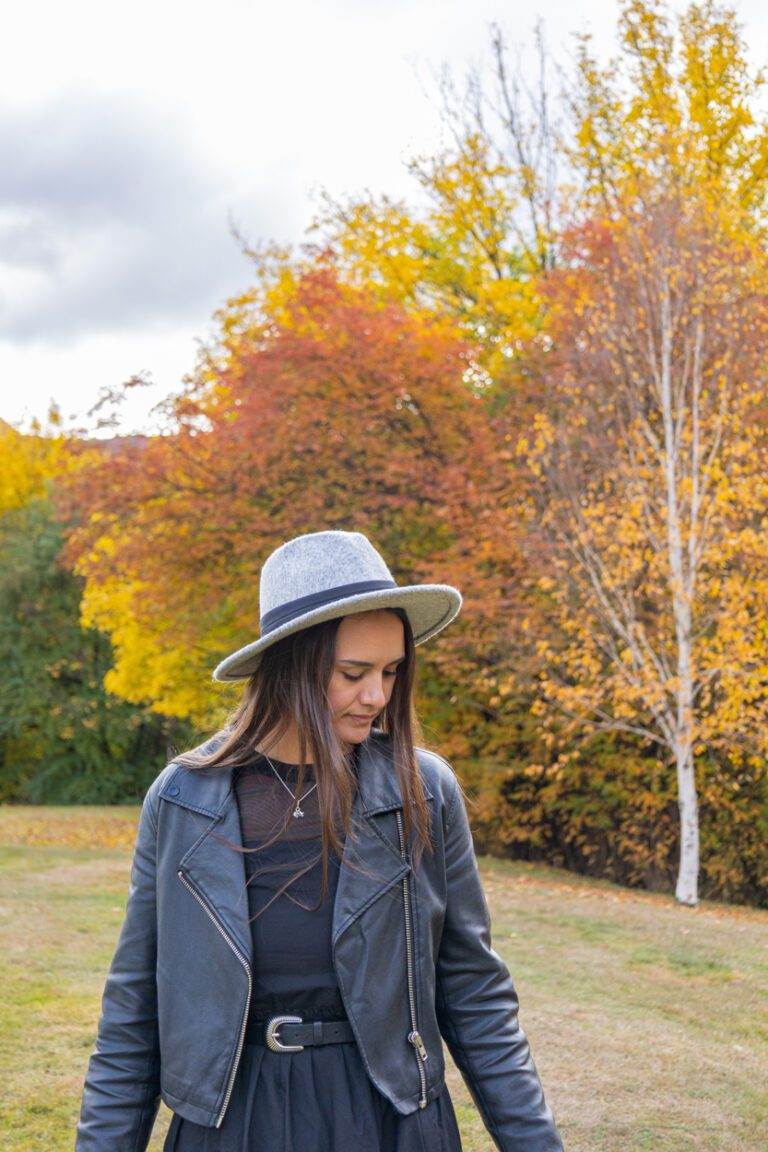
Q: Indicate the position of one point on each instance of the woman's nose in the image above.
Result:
(374, 696)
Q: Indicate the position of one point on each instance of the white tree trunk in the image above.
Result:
(682, 584)
(688, 872)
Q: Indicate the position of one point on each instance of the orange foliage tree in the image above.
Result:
(332, 410)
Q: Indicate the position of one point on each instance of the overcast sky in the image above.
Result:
(131, 136)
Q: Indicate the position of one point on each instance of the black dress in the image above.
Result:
(320, 1099)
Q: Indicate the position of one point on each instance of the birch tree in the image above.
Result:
(654, 491)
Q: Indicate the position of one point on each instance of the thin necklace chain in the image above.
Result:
(298, 811)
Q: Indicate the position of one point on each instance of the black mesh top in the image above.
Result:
(293, 967)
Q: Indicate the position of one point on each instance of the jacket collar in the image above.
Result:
(218, 872)
(207, 790)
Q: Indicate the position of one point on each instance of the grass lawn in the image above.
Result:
(648, 1022)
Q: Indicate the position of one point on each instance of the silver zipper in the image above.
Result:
(244, 961)
(414, 1036)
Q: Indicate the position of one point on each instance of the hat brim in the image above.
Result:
(430, 608)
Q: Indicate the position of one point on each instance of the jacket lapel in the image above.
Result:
(370, 863)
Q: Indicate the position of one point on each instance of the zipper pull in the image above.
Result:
(418, 1043)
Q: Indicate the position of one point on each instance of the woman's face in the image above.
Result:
(369, 647)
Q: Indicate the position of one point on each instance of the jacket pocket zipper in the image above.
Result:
(414, 1036)
(244, 961)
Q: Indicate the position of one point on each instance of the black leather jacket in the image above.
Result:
(411, 948)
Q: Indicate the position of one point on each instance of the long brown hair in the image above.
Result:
(291, 682)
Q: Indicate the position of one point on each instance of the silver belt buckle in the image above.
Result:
(272, 1041)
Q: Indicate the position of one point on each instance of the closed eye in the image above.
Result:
(348, 677)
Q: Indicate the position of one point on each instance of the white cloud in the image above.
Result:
(110, 222)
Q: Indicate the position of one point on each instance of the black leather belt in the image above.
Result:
(292, 1034)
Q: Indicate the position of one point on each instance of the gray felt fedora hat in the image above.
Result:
(325, 574)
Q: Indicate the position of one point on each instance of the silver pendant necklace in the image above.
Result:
(298, 811)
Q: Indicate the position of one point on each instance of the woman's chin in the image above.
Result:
(354, 730)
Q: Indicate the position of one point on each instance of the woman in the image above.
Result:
(305, 921)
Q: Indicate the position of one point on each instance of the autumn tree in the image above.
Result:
(654, 492)
(323, 408)
(678, 104)
(28, 461)
(486, 224)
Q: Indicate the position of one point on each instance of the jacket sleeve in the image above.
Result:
(477, 1007)
(121, 1095)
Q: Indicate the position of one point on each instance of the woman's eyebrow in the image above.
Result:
(366, 664)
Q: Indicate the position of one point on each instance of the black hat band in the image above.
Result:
(295, 608)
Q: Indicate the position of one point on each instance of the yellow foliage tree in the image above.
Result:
(463, 257)
(676, 106)
(653, 460)
(28, 460)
